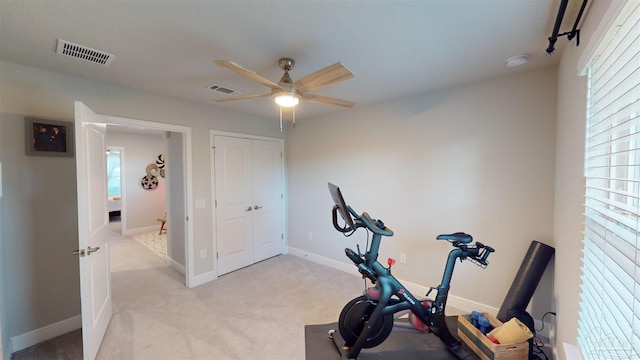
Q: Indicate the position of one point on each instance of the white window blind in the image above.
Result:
(609, 325)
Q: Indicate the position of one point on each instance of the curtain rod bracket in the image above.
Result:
(575, 32)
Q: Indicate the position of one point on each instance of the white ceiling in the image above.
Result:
(395, 48)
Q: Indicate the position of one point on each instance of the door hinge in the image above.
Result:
(216, 255)
(281, 196)
(282, 236)
(187, 218)
(216, 203)
(281, 155)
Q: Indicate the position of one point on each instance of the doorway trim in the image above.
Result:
(188, 181)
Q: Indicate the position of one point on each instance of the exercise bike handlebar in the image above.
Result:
(477, 253)
(363, 220)
(376, 226)
(483, 254)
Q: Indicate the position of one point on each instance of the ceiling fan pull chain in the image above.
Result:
(293, 111)
(280, 118)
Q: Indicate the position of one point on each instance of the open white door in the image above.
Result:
(93, 228)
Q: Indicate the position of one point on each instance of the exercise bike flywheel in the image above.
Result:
(353, 317)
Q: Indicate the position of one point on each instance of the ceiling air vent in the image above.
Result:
(223, 90)
(82, 52)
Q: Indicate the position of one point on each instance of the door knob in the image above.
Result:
(92, 250)
(248, 209)
(257, 207)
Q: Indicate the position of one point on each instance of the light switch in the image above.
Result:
(200, 204)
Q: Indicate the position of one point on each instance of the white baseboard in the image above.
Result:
(202, 279)
(455, 304)
(348, 268)
(33, 337)
(176, 265)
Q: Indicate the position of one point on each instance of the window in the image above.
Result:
(113, 172)
(609, 326)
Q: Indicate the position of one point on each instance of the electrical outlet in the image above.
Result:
(403, 258)
(203, 254)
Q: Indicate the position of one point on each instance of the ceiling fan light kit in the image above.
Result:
(286, 99)
(287, 93)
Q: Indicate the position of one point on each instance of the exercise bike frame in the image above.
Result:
(394, 297)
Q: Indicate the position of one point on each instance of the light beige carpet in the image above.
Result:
(258, 312)
(154, 242)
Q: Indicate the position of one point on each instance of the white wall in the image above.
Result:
(41, 275)
(143, 207)
(176, 198)
(477, 158)
(39, 232)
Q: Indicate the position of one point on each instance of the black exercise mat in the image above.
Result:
(403, 343)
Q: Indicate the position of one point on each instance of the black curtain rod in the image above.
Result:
(575, 32)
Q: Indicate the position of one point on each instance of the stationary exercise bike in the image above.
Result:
(367, 320)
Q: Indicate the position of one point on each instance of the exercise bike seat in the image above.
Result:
(456, 237)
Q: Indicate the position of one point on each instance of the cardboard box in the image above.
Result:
(483, 347)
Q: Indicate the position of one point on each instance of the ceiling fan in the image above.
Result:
(286, 93)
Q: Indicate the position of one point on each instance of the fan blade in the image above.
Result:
(230, 65)
(323, 77)
(326, 100)
(243, 97)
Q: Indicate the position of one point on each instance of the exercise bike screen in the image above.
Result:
(342, 206)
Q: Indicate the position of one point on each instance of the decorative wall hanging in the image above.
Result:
(160, 163)
(48, 137)
(152, 169)
(150, 181)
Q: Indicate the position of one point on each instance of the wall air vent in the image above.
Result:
(223, 90)
(82, 52)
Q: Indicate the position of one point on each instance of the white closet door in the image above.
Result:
(268, 235)
(234, 211)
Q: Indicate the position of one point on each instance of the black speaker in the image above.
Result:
(527, 279)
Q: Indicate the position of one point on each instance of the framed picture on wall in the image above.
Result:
(49, 137)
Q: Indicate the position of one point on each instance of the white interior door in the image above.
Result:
(249, 186)
(93, 227)
(234, 208)
(268, 234)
